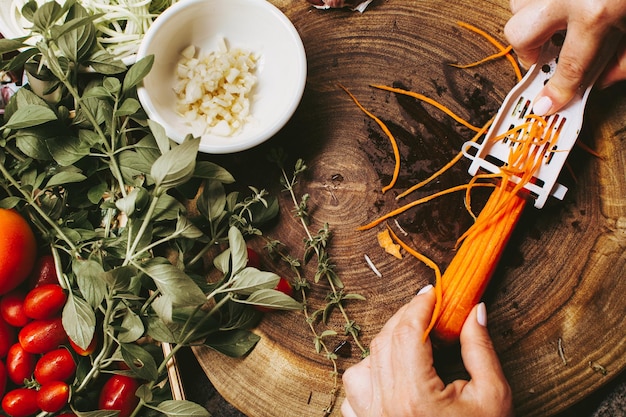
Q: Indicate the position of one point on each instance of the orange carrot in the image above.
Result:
(466, 278)
(392, 140)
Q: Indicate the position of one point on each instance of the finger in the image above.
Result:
(481, 360)
(357, 383)
(616, 70)
(576, 60)
(346, 409)
(530, 27)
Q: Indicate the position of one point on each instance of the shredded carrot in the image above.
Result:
(431, 264)
(497, 55)
(412, 204)
(588, 149)
(392, 140)
(447, 166)
(429, 101)
(385, 242)
(494, 42)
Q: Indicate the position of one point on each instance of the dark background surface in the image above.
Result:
(610, 401)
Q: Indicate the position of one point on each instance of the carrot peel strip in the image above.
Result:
(392, 139)
(494, 42)
(431, 264)
(430, 101)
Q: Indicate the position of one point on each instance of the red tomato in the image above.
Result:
(12, 308)
(44, 301)
(56, 365)
(20, 402)
(118, 393)
(44, 272)
(41, 336)
(18, 248)
(283, 286)
(254, 260)
(3, 378)
(7, 337)
(85, 352)
(53, 396)
(20, 364)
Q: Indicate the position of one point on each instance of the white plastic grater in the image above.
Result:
(490, 156)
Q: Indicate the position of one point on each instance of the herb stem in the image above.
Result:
(38, 209)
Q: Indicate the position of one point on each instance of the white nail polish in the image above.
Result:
(481, 314)
(542, 106)
(425, 289)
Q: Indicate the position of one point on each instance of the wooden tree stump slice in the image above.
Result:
(556, 304)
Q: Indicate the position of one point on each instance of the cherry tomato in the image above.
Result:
(44, 272)
(7, 337)
(3, 378)
(85, 352)
(283, 286)
(20, 402)
(254, 259)
(56, 365)
(118, 393)
(53, 396)
(12, 308)
(41, 336)
(44, 301)
(20, 364)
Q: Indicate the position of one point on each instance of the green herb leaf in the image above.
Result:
(174, 283)
(140, 361)
(251, 279)
(30, 116)
(137, 72)
(182, 408)
(273, 299)
(176, 166)
(233, 343)
(79, 321)
(90, 279)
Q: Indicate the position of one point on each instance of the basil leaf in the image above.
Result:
(30, 115)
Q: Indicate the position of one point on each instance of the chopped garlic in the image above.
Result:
(214, 89)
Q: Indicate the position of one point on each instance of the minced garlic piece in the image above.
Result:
(214, 89)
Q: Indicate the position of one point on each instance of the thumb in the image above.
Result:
(481, 360)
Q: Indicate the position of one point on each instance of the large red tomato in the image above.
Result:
(18, 250)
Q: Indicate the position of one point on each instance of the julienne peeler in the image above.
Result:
(489, 155)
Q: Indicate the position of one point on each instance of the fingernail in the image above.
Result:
(425, 289)
(542, 106)
(481, 314)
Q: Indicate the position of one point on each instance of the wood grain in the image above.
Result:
(556, 305)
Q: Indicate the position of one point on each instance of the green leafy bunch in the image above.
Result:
(109, 195)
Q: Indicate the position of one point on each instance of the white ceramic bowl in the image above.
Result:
(254, 25)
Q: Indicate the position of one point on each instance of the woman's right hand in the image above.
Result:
(590, 24)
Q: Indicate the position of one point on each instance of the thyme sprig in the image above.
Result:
(316, 247)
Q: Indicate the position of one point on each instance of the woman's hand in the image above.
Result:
(591, 25)
(398, 378)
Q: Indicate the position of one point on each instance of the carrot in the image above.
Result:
(466, 278)
(392, 140)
